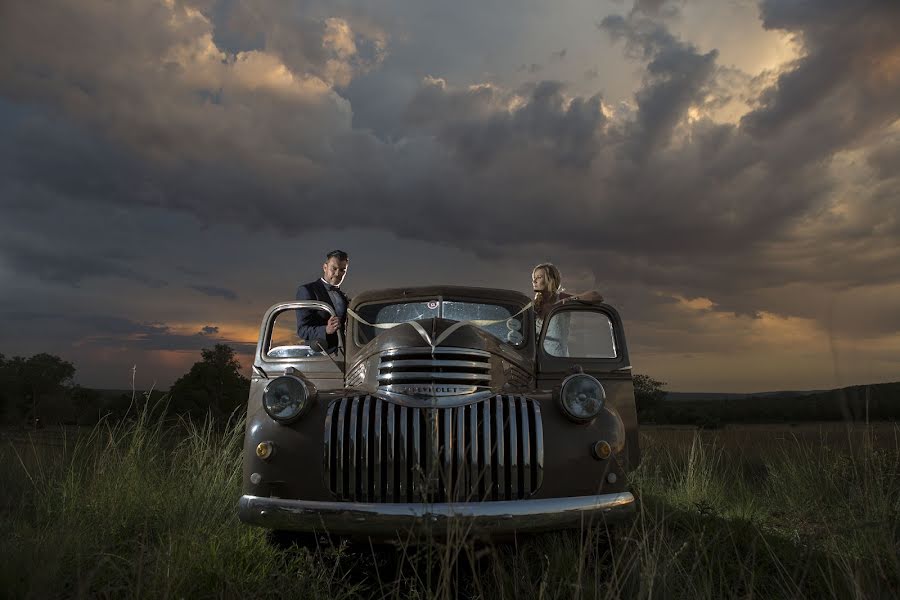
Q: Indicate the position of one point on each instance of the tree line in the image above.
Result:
(860, 404)
(39, 390)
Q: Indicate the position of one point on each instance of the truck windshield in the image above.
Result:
(500, 320)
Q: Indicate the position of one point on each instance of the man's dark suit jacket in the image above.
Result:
(311, 322)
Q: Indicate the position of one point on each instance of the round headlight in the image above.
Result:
(286, 399)
(581, 397)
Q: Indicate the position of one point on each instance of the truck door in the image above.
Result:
(590, 337)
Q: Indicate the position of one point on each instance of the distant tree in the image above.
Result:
(45, 374)
(27, 381)
(648, 392)
(12, 386)
(214, 384)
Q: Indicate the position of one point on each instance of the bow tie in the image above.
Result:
(331, 288)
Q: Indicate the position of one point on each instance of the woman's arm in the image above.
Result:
(592, 296)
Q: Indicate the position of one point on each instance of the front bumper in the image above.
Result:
(469, 519)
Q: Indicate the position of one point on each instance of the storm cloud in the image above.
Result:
(706, 187)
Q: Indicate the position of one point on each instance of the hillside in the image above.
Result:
(875, 402)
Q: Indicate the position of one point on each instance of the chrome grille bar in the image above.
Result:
(379, 488)
(514, 485)
(460, 475)
(403, 475)
(434, 366)
(417, 473)
(445, 465)
(377, 451)
(393, 364)
(389, 377)
(486, 461)
(538, 464)
(329, 446)
(366, 457)
(473, 475)
(499, 448)
(353, 469)
(439, 351)
(526, 448)
(339, 466)
(391, 453)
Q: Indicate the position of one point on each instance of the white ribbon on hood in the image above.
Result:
(446, 333)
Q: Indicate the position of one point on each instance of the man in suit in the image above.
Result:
(318, 326)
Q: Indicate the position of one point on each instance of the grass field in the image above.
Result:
(144, 509)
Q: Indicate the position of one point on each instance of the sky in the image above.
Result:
(726, 174)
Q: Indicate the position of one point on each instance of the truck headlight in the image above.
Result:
(581, 397)
(286, 398)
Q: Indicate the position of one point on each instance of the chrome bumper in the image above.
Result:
(477, 519)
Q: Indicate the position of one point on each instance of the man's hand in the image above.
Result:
(333, 325)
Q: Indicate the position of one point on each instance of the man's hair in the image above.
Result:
(338, 254)
(554, 278)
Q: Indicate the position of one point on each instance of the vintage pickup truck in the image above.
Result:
(444, 410)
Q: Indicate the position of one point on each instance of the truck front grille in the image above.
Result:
(377, 451)
(453, 366)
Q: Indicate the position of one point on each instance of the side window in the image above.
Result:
(284, 342)
(580, 334)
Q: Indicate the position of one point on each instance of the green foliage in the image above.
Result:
(28, 382)
(648, 393)
(145, 509)
(213, 385)
(12, 386)
(139, 508)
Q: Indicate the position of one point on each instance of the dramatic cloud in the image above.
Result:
(33, 259)
(678, 77)
(848, 78)
(482, 122)
(190, 126)
(185, 150)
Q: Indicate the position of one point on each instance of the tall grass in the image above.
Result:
(148, 508)
(142, 508)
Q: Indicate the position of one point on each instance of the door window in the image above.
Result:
(285, 342)
(580, 334)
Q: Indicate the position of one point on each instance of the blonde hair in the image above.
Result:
(554, 279)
